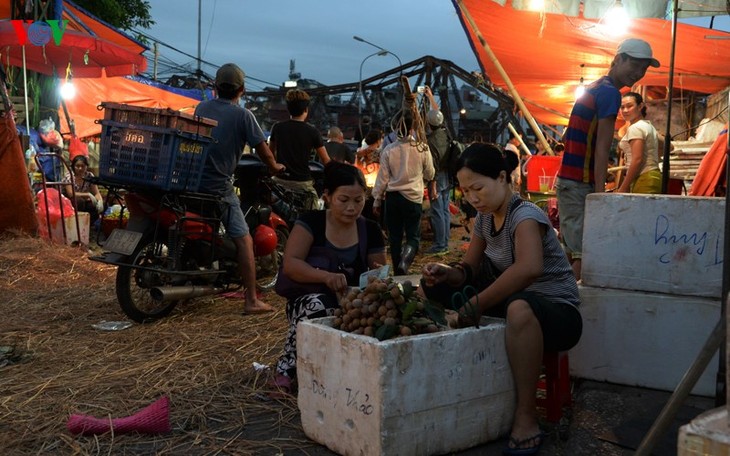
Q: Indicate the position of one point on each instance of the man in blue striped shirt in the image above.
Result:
(588, 141)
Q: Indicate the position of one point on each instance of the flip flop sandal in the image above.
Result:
(516, 447)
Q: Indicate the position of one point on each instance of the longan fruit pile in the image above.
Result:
(385, 309)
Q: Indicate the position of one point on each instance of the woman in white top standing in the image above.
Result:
(639, 145)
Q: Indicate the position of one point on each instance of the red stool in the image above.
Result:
(553, 388)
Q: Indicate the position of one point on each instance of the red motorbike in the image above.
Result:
(174, 248)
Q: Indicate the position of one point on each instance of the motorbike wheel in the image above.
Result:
(267, 268)
(133, 285)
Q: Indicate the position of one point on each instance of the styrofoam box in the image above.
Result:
(707, 434)
(418, 395)
(660, 243)
(644, 339)
(72, 235)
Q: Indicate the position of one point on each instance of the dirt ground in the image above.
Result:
(55, 363)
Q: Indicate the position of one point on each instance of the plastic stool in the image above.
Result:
(556, 385)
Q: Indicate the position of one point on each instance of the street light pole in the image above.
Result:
(362, 40)
(381, 51)
(359, 90)
(200, 12)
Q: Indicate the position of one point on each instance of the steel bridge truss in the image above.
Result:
(374, 101)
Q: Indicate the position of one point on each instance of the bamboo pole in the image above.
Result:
(505, 77)
(519, 138)
(545, 108)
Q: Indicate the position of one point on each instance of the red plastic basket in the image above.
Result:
(108, 224)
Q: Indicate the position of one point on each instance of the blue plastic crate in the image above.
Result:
(145, 156)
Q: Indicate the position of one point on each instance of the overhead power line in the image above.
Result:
(150, 37)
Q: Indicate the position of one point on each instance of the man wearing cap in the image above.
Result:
(237, 127)
(440, 187)
(588, 141)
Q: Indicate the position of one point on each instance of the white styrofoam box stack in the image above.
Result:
(707, 434)
(659, 243)
(644, 339)
(417, 395)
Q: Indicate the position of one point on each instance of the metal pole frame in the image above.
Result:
(670, 90)
(360, 93)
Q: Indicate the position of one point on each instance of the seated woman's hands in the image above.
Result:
(435, 273)
(468, 315)
(336, 282)
(96, 201)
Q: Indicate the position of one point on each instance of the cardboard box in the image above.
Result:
(417, 395)
(708, 434)
(656, 243)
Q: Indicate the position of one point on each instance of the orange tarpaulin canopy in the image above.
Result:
(82, 21)
(79, 19)
(91, 46)
(545, 56)
(91, 92)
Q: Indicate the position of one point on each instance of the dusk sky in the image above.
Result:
(262, 36)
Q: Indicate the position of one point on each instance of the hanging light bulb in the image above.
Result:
(580, 90)
(617, 19)
(68, 91)
(537, 5)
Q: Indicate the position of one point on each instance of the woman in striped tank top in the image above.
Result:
(521, 273)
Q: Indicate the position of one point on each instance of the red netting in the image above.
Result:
(153, 419)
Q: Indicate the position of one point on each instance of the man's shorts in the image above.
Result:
(572, 207)
(232, 215)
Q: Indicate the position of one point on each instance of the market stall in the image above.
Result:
(40, 47)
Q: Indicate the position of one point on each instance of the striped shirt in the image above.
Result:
(600, 100)
(557, 282)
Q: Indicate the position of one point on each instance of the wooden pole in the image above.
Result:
(721, 378)
(670, 89)
(505, 77)
(519, 138)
